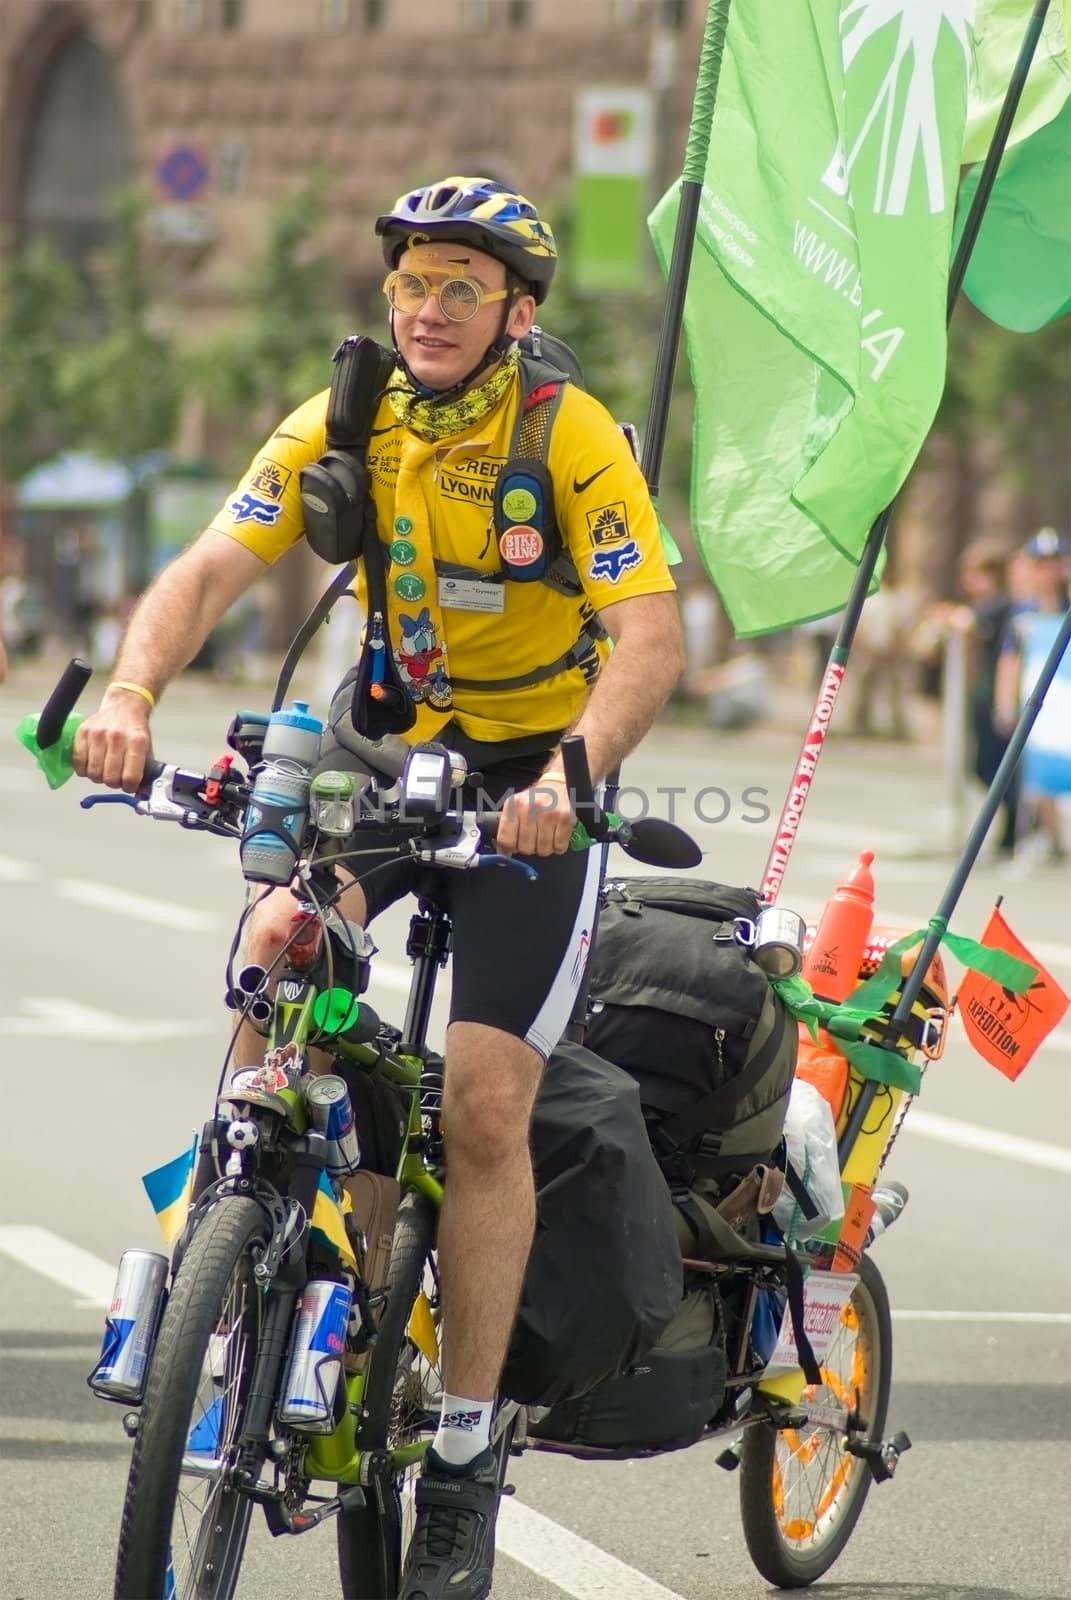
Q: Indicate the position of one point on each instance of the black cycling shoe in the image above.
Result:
(452, 1554)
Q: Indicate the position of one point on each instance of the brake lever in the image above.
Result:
(108, 800)
(495, 860)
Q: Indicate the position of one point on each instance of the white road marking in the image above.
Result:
(1048, 1318)
(13, 871)
(50, 1017)
(67, 1264)
(971, 1136)
(576, 1566)
(102, 897)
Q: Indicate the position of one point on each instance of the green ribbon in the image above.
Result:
(845, 1021)
(56, 761)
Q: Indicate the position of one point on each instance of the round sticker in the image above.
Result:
(410, 586)
(519, 504)
(403, 552)
(519, 547)
(403, 525)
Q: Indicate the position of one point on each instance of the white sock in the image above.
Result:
(464, 1429)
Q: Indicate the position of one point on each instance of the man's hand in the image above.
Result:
(538, 821)
(112, 745)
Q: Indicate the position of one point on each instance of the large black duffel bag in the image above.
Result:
(604, 1276)
(676, 1000)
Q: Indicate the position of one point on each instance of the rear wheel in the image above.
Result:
(184, 1528)
(801, 1492)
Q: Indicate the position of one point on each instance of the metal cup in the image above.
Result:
(779, 936)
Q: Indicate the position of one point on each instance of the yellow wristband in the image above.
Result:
(135, 688)
(553, 777)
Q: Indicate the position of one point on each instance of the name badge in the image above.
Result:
(471, 594)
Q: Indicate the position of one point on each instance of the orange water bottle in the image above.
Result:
(831, 965)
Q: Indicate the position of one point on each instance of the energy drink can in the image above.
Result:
(315, 1364)
(331, 1113)
(130, 1327)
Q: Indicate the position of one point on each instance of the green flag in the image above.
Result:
(1020, 269)
(998, 36)
(815, 318)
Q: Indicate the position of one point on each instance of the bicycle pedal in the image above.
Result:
(508, 1488)
(729, 1459)
(882, 1458)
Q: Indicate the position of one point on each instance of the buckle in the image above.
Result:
(709, 1144)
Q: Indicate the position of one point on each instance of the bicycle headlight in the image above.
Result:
(332, 803)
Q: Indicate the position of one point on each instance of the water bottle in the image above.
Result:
(279, 805)
(831, 965)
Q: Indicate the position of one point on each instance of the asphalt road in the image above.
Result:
(115, 934)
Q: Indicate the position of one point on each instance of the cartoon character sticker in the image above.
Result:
(420, 656)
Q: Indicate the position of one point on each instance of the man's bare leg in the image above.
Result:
(488, 1215)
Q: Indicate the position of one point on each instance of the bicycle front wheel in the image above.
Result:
(801, 1492)
(184, 1528)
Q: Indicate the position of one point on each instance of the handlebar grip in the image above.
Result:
(578, 778)
(153, 769)
(62, 701)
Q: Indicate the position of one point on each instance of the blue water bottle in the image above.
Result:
(279, 805)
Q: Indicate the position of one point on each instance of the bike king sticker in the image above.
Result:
(825, 1295)
(520, 547)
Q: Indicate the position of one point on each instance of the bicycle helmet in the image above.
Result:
(480, 212)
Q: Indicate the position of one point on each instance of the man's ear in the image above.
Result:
(522, 316)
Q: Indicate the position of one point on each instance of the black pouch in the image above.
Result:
(335, 490)
(663, 1402)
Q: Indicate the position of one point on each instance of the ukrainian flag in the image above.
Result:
(327, 1224)
(169, 1189)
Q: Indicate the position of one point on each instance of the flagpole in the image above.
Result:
(833, 677)
(691, 191)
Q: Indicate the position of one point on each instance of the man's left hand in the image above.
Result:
(537, 822)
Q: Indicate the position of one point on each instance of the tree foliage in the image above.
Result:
(39, 299)
(277, 350)
(122, 391)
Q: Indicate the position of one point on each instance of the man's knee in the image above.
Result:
(271, 922)
(491, 1083)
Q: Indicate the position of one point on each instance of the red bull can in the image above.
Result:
(331, 1113)
(130, 1327)
(315, 1364)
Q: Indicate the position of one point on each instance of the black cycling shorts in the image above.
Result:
(519, 947)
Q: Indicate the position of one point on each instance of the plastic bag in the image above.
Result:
(811, 1143)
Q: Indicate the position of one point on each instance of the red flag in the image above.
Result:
(1004, 1027)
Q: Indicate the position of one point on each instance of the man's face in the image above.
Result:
(440, 352)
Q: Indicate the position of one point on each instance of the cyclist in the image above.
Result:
(469, 262)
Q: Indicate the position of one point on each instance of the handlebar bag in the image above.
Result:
(604, 1276)
(677, 1002)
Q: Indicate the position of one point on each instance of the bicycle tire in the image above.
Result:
(792, 1550)
(219, 1257)
(370, 1537)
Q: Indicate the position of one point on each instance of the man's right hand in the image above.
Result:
(112, 745)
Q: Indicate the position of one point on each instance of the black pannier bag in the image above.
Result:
(663, 1402)
(604, 1277)
(676, 1000)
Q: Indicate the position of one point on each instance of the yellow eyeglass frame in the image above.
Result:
(481, 296)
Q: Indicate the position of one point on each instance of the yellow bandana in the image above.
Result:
(431, 421)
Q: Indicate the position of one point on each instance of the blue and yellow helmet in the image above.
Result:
(479, 212)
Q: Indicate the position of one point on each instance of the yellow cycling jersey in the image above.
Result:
(453, 635)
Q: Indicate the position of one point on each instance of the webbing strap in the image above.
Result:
(705, 1114)
(524, 680)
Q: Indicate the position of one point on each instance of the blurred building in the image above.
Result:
(217, 107)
